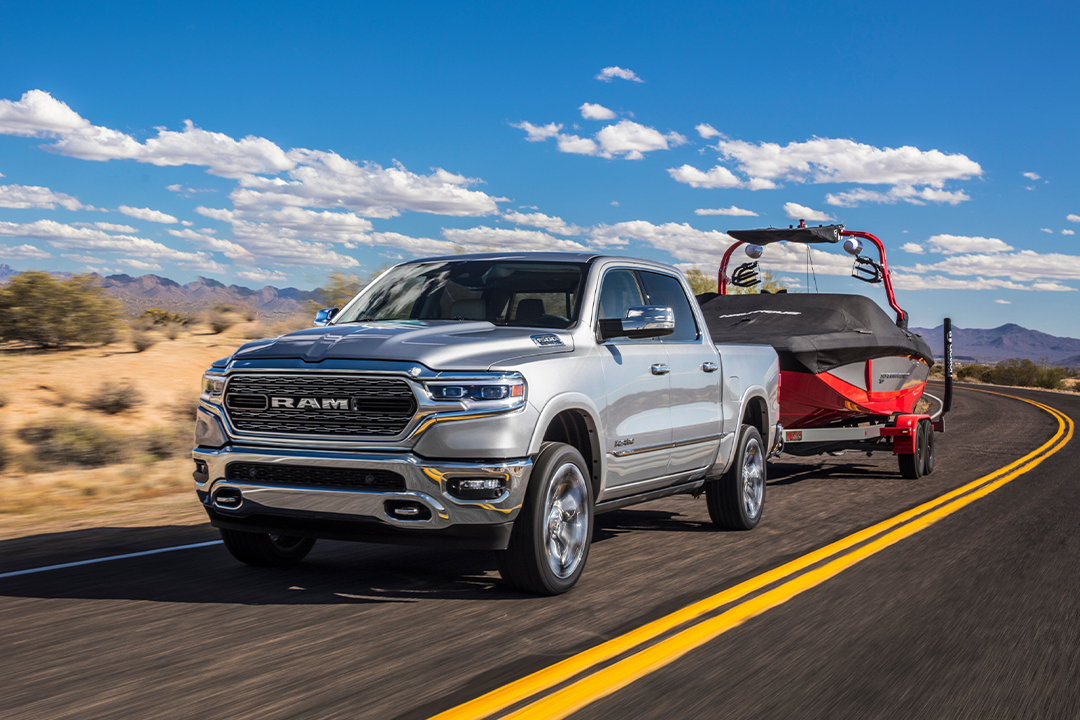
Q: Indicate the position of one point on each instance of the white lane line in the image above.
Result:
(107, 559)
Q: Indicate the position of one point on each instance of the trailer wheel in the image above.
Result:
(549, 543)
(928, 448)
(736, 499)
(912, 465)
(266, 550)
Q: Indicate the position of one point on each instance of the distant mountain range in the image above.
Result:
(146, 291)
(1001, 343)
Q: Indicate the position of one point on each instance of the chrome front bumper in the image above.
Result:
(425, 483)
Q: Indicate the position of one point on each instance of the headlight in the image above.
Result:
(508, 390)
(212, 387)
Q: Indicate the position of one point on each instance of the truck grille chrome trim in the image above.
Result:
(326, 405)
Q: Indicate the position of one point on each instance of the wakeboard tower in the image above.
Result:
(850, 376)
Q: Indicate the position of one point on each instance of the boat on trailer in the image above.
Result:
(851, 377)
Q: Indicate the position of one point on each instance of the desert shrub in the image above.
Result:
(3, 398)
(249, 313)
(44, 311)
(185, 410)
(141, 324)
(142, 340)
(980, 373)
(221, 321)
(157, 316)
(5, 455)
(339, 289)
(162, 443)
(113, 397)
(173, 330)
(63, 441)
(769, 284)
(290, 324)
(257, 331)
(1024, 373)
(222, 308)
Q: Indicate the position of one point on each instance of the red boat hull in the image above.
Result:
(822, 400)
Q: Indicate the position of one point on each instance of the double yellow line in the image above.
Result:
(607, 680)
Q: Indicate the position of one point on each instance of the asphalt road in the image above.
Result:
(975, 616)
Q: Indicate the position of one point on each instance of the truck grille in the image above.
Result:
(320, 477)
(343, 405)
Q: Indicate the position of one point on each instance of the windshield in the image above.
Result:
(527, 294)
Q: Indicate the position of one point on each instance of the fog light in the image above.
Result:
(478, 488)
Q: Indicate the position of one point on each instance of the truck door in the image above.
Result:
(636, 417)
(694, 377)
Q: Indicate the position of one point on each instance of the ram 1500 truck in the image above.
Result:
(496, 401)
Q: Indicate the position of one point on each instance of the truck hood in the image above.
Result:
(439, 345)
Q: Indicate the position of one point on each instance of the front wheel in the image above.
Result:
(736, 500)
(549, 543)
(265, 549)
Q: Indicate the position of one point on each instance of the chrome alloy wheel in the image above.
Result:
(753, 478)
(566, 524)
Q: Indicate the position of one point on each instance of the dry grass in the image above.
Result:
(152, 481)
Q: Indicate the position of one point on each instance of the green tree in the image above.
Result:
(41, 310)
(700, 283)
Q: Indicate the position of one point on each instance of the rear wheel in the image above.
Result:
(266, 550)
(928, 448)
(549, 543)
(736, 500)
(912, 464)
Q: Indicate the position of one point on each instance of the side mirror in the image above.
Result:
(641, 321)
(324, 316)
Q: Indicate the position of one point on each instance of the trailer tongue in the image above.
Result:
(851, 377)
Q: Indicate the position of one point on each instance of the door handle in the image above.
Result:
(660, 369)
(709, 366)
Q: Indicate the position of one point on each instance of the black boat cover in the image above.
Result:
(819, 234)
(811, 332)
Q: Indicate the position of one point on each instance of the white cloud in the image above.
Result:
(1072, 218)
(903, 281)
(148, 215)
(615, 203)
(592, 111)
(1005, 302)
(1047, 230)
(835, 160)
(83, 258)
(69, 237)
(22, 197)
(1031, 176)
(22, 252)
(187, 192)
(731, 211)
(902, 193)
(228, 248)
(718, 177)
(707, 131)
(113, 227)
(610, 73)
(186, 223)
(482, 238)
(1068, 232)
(679, 239)
(538, 133)
(545, 222)
(327, 180)
(1023, 265)
(913, 248)
(578, 145)
(261, 275)
(139, 264)
(800, 212)
(958, 244)
(629, 139)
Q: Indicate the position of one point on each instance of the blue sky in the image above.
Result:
(273, 143)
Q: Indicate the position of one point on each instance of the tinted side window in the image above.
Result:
(666, 290)
(619, 293)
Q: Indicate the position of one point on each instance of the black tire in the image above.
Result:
(550, 541)
(928, 448)
(911, 465)
(265, 550)
(737, 499)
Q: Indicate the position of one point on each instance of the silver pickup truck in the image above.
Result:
(493, 401)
